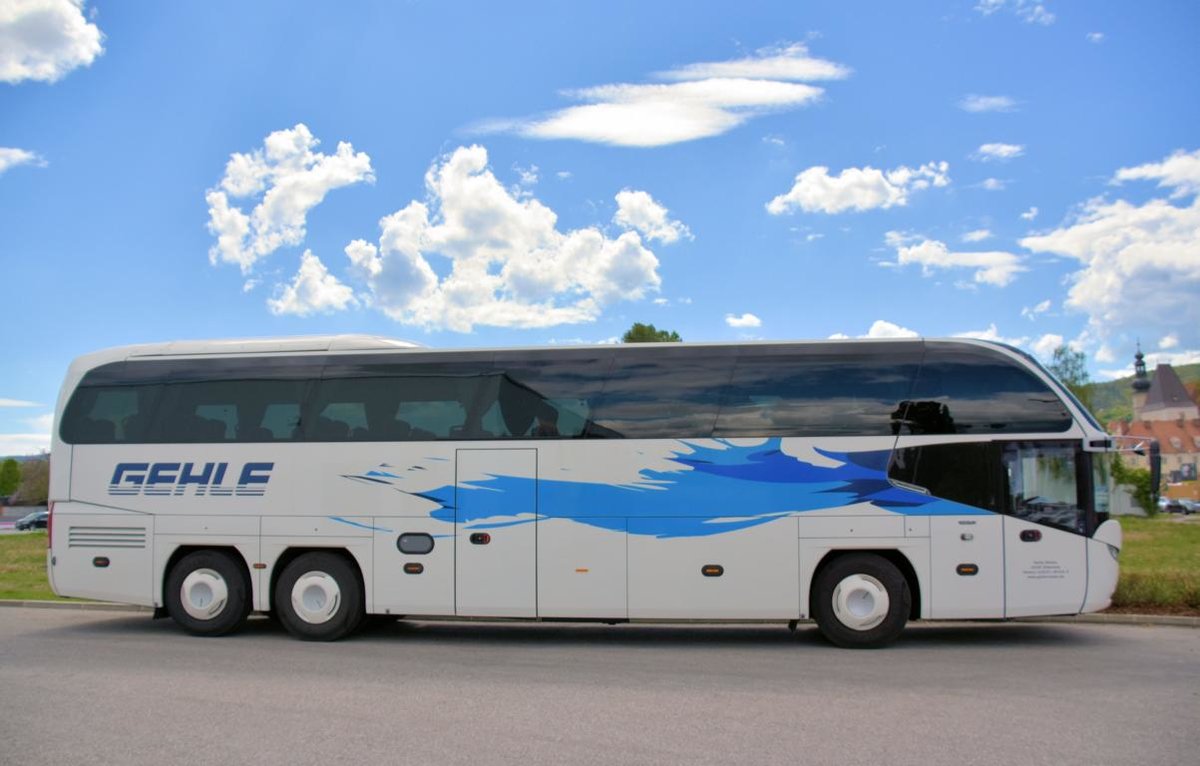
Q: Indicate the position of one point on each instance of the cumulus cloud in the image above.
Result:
(45, 39)
(998, 152)
(637, 210)
(24, 444)
(1045, 345)
(745, 320)
(509, 265)
(1031, 312)
(10, 158)
(687, 103)
(288, 178)
(993, 334)
(865, 188)
(992, 267)
(1095, 37)
(1168, 341)
(880, 328)
(1140, 262)
(1030, 214)
(1153, 359)
(978, 235)
(992, 184)
(976, 103)
(313, 289)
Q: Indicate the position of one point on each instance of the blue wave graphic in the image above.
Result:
(716, 490)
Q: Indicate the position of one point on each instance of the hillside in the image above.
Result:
(1114, 399)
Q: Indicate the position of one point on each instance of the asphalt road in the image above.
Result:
(98, 688)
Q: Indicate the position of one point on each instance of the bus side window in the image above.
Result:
(961, 473)
(1043, 484)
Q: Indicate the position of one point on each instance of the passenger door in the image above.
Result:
(495, 541)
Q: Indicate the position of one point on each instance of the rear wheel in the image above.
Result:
(208, 593)
(861, 601)
(318, 597)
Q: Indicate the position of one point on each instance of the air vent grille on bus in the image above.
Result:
(106, 537)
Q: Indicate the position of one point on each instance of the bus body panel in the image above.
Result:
(427, 588)
(582, 569)
(966, 567)
(102, 554)
(1046, 569)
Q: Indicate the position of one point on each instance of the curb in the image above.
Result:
(1174, 620)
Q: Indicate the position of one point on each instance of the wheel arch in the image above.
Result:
(897, 557)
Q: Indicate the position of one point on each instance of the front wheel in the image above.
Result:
(208, 593)
(318, 597)
(861, 601)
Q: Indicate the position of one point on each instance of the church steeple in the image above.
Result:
(1141, 383)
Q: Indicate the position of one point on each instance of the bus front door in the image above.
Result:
(495, 540)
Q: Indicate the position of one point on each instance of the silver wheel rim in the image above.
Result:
(860, 602)
(316, 597)
(204, 594)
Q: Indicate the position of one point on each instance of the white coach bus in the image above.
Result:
(861, 484)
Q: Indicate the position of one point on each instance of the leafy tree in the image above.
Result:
(648, 333)
(1070, 367)
(1138, 480)
(10, 477)
(35, 482)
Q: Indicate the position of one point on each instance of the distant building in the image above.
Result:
(1165, 410)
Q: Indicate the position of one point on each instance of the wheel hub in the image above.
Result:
(316, 597)
(204, 594)
(860, 602)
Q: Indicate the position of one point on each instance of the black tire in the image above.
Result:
(336, 597)
(208, 593)
(855, 618)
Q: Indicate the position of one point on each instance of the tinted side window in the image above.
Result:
(551, 394)
(109, 414)
(662, 393)
(231, 411)
(422, 397)
(965, 390)
(963, 473)
(818, 391)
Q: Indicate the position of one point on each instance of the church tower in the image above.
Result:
(1141, 383)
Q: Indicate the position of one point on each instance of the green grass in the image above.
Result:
(1160, 567)
(23, 567)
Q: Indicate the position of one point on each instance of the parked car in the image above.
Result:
(1190, 506)
(35, 520)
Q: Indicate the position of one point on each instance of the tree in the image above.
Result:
(648, 333)
(10, 477)
(1138, 481)
(1070, 367)
(35, 482)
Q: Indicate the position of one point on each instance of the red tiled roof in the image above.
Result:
(1174, 436)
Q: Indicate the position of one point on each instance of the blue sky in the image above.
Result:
(464, 174)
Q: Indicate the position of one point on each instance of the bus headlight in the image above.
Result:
(1113, 551)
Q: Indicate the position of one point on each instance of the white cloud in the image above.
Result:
(637, 210)
(1030, 214)
(978, 235)
(866, 188)
(1029, 11)
(993, 334)
(45, 39)
(313, 289)
(1045, 345)
(17, 403)
(1180, 172)
(993, 267)
(563, 175)
(1031, 312)
(696, 101)
(998, 152)
(745, 320)
(976, 103)
(41, 423)
(1140, 263)
(509, 264)
(290, 179)
(1105, 354)
(24, 444)
(526, 176)
(12, 157)
(881, 328)
(1095, 37)
(1168, 341)
(993, 184)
